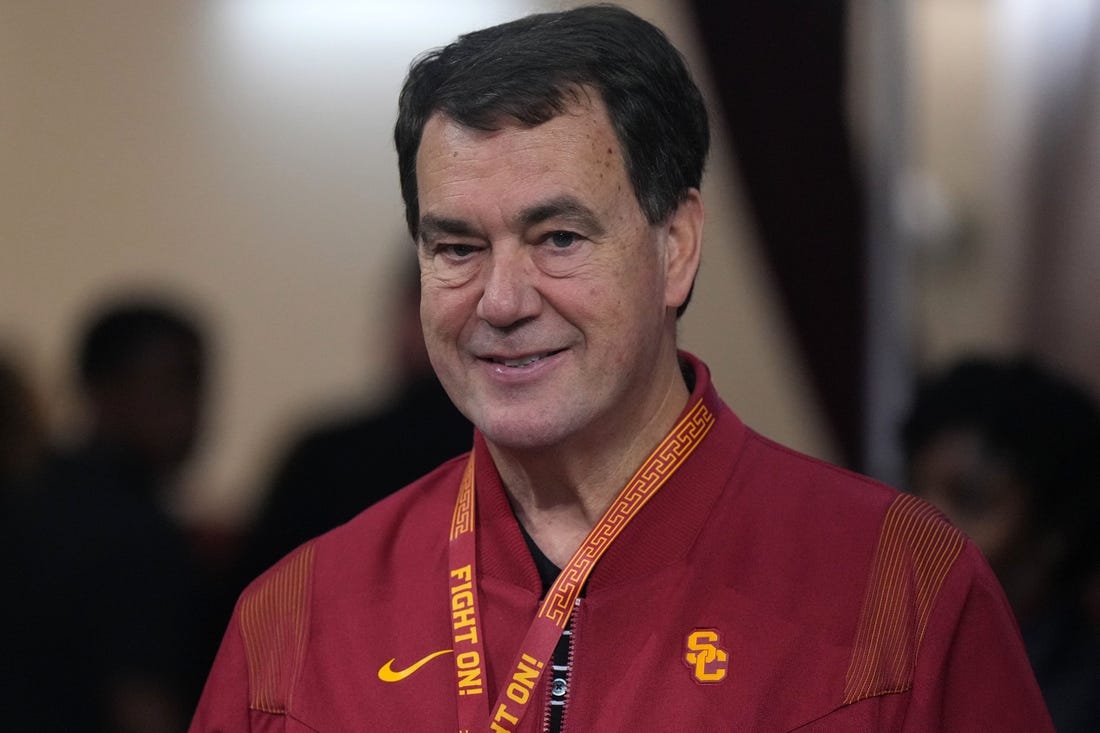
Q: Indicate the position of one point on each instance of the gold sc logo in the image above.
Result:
(708, 661)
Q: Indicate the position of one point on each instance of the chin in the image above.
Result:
(514, 434)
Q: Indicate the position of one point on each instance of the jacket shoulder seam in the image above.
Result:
(274, 624)
(916, 549)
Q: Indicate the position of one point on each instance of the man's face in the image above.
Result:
(545, 291)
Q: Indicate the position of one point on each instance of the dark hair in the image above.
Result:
(118, 333)
(1042, 426)
(530, 70)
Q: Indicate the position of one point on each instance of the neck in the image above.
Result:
(559, 493)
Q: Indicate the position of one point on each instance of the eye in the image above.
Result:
(559, 252)
(562, 240)
(457, 251)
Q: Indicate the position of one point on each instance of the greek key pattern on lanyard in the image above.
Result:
(555, 610)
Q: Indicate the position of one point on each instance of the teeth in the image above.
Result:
(520, 362)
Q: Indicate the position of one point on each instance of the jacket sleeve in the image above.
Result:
(972, 671)
(936, 627)
(251, 686)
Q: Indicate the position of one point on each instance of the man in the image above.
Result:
(709, 579)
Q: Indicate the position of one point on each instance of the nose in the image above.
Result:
(509, 296)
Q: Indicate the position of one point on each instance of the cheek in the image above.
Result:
(627, 299)
(432, 315)
(444, 311)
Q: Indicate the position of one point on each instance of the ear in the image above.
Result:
(683, 248)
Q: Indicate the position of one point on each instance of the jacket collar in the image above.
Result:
(660, 534)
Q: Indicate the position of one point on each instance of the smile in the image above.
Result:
(524, 360)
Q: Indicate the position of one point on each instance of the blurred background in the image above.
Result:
(893, 187)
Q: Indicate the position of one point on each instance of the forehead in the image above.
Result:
(576, 150)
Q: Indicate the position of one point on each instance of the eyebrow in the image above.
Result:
(434, 226)
(561, 207)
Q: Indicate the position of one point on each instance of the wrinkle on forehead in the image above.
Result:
(575, 153)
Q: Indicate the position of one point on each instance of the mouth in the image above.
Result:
(522, 361)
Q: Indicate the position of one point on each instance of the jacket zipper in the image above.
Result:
(571, 634)
(569, 672)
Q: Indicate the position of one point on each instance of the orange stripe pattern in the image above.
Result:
(656, 469)
(463, 519)
(916, 549)
(274, 621)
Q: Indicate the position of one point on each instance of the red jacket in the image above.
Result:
(758, 590)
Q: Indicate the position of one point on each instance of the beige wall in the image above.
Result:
(1006, 150)
(966, 272)
(245, 165)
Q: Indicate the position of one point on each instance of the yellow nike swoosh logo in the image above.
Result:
(388, 674)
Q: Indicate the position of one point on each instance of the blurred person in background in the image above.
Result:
(22, 446)
(22, 430)
(107, 596)
(1010, 452)
(343, 465)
